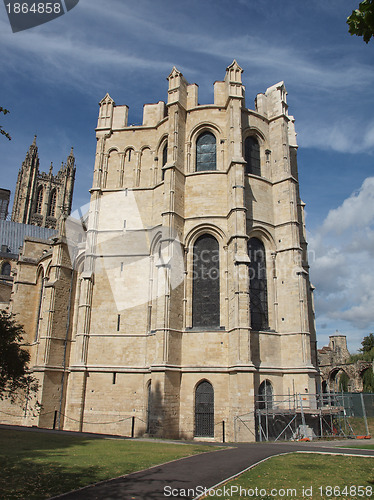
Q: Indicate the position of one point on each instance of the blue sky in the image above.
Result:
(53, 76)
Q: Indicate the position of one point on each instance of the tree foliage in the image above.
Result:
(16, 383)
(368, 380)
(2, 131)
(367, 343)
(366, 353)
(361, 21)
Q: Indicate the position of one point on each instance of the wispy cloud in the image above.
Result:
(121, 36)
(342, 270)
(337, 132)
(355, 213)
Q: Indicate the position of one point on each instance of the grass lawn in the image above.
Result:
(37, 465)
(298, 472)
(362, 446)
(358, 426)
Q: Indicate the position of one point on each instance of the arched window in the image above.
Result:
(5, 269)
(129, 155)
(252, 155)
(127, 179)
(165, 154)
(39, 200)
(258, 296)
(52, 204)
(205, 294)
(265, 395)
(111, 173)
(39, 311)
(164, 158)
(204, 410)
(206, 152)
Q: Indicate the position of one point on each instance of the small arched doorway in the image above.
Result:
(204, 410)
(265, 395)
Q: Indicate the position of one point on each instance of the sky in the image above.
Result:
(52, 77)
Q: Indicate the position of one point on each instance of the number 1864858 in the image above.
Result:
(35, 8)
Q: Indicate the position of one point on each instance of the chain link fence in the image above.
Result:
(308, 416)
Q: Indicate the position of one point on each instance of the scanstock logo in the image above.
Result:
(138, 264)
(28, 13)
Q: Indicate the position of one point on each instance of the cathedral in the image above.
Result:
(39, 202)
(184, 293)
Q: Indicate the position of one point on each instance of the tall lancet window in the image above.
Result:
(258, 295)
(39, 309)
(52, 204)
(252, 156)
(164, 159)
(205, 295)
(39, 200)
(206, 152)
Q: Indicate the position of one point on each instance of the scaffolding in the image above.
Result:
(308, 416)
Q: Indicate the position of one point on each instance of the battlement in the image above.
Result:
(270, 104)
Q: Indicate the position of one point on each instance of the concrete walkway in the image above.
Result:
(202, 471)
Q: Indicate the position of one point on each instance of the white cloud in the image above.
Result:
(342, 269)
(368, 141)
(357, 211)
(343, 134)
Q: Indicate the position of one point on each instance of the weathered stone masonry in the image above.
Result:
(180, 357)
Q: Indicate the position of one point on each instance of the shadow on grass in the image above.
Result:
(36, 465)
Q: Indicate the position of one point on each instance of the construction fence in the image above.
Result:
(309, 416)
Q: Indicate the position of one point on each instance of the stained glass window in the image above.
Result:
(258, 285)
(205, 296)
(252, 156)
(206, 152)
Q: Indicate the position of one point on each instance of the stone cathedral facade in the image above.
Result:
(188, 293)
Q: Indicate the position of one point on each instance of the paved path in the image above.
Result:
(204, 470)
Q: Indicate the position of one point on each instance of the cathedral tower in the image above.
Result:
(41, 198)
(220, 181)
(189, 293)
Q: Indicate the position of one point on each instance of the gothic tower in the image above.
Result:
(209, 191)
(189, 294)
(41, 198)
